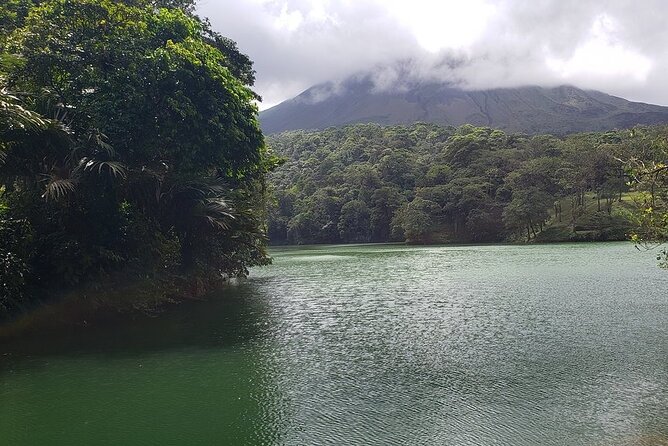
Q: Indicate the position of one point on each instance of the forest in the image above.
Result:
(174, 273)
(130, 151)
(425, 183)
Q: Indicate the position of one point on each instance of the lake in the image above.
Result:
(369, 345)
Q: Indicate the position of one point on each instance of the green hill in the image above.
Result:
(425, 183)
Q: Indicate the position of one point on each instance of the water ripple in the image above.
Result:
(471, 345)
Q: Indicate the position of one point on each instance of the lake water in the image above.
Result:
(369, 345)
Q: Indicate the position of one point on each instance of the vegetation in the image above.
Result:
(429, 184)
(130, 153)
(648, 169)
(129, 147)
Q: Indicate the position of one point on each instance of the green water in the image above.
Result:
(369, 345)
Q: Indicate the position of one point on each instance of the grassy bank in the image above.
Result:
(590, 221)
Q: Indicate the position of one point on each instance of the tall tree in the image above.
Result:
(162, 163)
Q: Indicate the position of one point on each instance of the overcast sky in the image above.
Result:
(616, 46)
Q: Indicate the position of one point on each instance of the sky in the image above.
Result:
(616, 46)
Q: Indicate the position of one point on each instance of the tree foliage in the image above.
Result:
(128, 141)
(647, 168)
(425, 183)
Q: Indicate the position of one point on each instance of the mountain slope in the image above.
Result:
(559, 110)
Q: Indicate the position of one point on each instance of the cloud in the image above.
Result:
(617, 46)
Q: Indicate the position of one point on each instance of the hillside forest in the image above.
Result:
(425, 183)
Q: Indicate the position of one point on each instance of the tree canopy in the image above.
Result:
(425, 183)
(128, 141)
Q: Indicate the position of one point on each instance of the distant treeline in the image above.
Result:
(425, 183)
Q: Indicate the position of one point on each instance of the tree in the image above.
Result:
(527, 210)
(151, 142)
(398, 167)
(483, 224)
(649, 174)
(355, 222)
(415, 220)
(385, 202)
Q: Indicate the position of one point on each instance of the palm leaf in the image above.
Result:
(98, 140)
(57, 188)
(13, 116)
(115, 168)
(4, 147)
(216, 212)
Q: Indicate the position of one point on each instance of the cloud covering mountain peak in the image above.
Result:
(609, 45)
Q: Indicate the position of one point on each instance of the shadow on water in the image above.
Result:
(225, 319)
(196, 374)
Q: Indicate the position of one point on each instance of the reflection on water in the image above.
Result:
(195, 375)
(370, 345)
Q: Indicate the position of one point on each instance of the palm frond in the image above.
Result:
(219, 208)
(57, 188)
(98, 140)
(4, 147)
(114, 168)
(14, 116)
(216, 212)
(219, 221)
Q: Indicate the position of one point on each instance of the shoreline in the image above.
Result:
(89, 305)
(498, 243)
